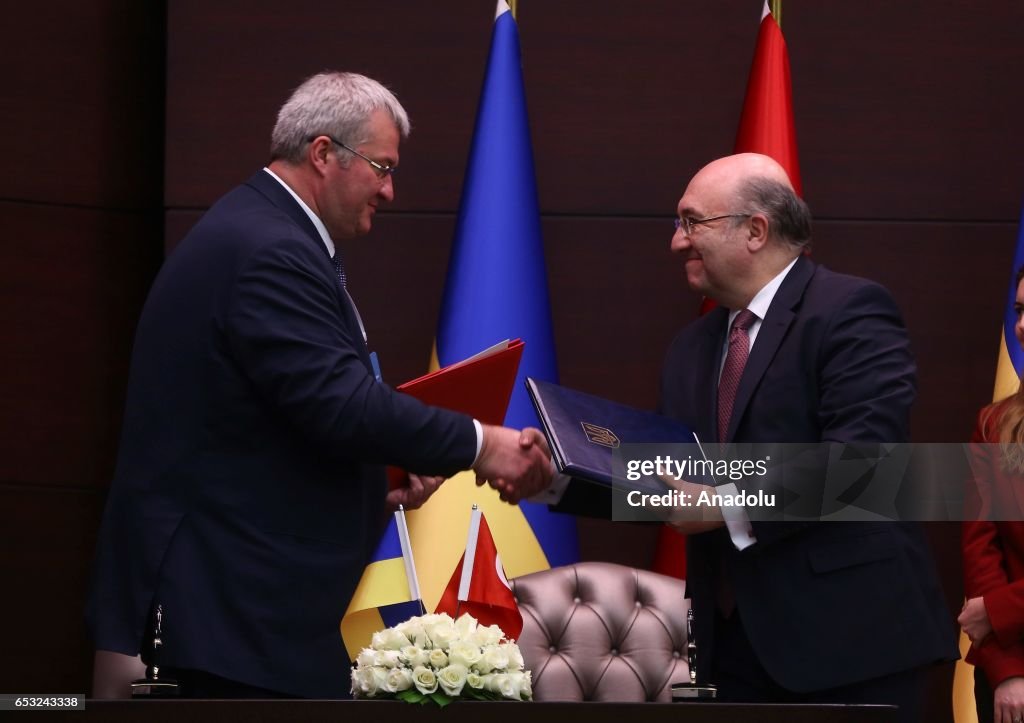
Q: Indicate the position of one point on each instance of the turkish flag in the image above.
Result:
(766, 124)
(482, 590)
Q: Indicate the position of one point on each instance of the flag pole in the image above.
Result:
(776, 7)
(410, 564)
(512, 6)
(469, 558)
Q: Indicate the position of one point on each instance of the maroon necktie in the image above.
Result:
(735, 360)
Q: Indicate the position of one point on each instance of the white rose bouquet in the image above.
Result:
(432, 658)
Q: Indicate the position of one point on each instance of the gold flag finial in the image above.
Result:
(774, 5)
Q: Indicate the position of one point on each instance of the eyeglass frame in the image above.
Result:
(380, 169)
(687, 224)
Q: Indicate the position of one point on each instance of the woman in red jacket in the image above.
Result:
(993, 554)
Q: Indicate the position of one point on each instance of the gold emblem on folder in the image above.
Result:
(600, 435)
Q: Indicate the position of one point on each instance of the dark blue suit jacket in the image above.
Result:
(249, 491)
(823, 604)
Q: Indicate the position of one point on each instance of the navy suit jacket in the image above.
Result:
(249, 491)
(823, 604)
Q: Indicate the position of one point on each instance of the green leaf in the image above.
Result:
(442, 699)
(411, 696)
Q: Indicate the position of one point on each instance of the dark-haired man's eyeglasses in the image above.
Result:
(687, 224)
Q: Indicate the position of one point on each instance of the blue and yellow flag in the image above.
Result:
(387, 593)
(1009, 367)
(496, 289)
(1011, 356)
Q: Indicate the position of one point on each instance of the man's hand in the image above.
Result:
(417, 491)
(694, 519)
(531, 436)
(516, 464)
(974, 620)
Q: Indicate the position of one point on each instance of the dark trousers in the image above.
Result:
(741, 678)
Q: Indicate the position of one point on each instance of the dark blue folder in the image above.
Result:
(585, 431)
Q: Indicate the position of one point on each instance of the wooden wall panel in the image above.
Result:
(909, 110)
(903, 111)
(81, 135)
(232, 65)
(73, 281)
(81, 104)
(48, 537)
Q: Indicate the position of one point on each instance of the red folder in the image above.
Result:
(480, 386)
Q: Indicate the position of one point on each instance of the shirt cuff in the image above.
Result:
(553, 494)
(736, 519)
(479, 441)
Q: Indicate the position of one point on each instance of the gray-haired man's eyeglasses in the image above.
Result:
(380, 169)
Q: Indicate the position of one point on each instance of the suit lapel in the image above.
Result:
(277, 195)
(773, 330)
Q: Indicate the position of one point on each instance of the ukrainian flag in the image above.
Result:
(386, 595)
(496, 289)
(1011, 356)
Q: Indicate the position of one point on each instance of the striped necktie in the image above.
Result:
(339, 269)
(735, 360)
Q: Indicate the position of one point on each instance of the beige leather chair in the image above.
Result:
(604, 632)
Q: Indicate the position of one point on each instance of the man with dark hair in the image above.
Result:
(250, 489)
(794, 353)
(793, 612)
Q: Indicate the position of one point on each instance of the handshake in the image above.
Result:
(515, 463)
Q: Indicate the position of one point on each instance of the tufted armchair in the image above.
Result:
(605, 632)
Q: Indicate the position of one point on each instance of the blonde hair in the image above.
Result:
(1009, 415)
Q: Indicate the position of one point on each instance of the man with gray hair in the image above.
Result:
(250, 489)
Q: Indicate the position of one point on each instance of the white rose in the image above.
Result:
(493, 681)
(397, 680)
(452, 679)
(389, 639)
(493, 658)
(438, 659)
(487, 635)
(440, 631)
(464, 653)
(366, 682)
(474, 680)
(515, 658)
(387, 658)
(412, 629)
(366, 657)
(502, 683)
(414, 656)
(520, 685)
(424, 680)
(487, 682)
(527, 685)
(465, 626)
